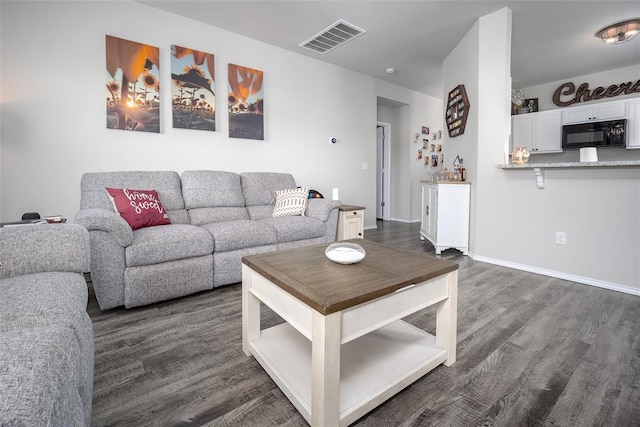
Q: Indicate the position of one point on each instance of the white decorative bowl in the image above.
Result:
(345, 253)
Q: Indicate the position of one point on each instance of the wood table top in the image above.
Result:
(328, 287)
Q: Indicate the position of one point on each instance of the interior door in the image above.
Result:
(383, 171)
(380, 171)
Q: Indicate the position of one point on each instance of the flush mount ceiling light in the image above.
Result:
(335, 35)
(620, 32)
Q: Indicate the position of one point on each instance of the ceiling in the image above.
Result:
(551, 40)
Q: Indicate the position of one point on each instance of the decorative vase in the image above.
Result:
(520, 156)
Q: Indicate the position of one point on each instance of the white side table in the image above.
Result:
(350, 222)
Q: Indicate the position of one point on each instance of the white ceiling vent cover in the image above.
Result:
(335, 35)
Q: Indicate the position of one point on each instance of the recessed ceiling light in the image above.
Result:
(390, 70)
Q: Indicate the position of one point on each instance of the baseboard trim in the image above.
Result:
(406, 221)
(558, 275)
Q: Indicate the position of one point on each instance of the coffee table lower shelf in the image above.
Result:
(373, 367)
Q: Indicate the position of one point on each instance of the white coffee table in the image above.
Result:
(343, 349)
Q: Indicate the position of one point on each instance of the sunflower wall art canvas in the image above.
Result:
(193, 99)
(133, 88)
(246, 97)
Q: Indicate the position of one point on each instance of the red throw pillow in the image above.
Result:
(140, 208)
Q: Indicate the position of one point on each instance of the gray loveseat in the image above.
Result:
(217, 217)
(46, 336)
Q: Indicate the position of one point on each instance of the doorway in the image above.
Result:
(383, 171)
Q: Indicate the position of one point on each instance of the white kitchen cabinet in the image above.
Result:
(594, 112)
(522, 131)
(548, 132)
(445, 215)
(633, 123)
(537, 132)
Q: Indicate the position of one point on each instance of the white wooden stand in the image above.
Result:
(336, 368)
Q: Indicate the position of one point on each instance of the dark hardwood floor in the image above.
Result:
(532, 350)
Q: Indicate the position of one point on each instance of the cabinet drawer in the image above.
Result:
(367, 317)
(353, 214)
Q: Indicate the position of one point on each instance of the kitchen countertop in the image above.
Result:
(539, 168)
(426, 181)
(617, 163)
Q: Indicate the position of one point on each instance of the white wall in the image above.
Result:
(457, 71)
(481, 62)
(494, 106)
(461, 68)
(397, 198)
(385, 114)
(544, 92)
(52, 102)
(514, 222)
(419, 171)
(418, 110)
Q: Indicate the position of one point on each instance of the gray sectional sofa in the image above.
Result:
(46, 336)
(217, 217)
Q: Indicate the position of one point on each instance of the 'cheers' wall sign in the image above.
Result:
(583, 94)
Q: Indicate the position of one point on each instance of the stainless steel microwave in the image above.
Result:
(594, 134)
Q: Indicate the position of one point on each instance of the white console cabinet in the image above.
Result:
(445, 215)
(537, 132)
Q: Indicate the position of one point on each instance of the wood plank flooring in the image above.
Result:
(532, 351)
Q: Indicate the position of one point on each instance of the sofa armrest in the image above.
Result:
(42, 248)
(321, 208)
(95, 219)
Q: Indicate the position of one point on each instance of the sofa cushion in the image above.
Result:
(39, 378)
(234, 235)
(42, 248)
(140, 208)
(260, 212)
(227, 266)
(212, 196)
(159, 282)
(291, 201)
(166, 183)
(207, 189)
(41, 299)
(202, 216)
(154, 245)
(290, 228)
(51, 300)
(259, 188)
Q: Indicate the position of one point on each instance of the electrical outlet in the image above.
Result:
(561, 238)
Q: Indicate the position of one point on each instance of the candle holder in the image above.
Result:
(520, 156)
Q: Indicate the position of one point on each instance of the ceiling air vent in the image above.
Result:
(333, 36)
